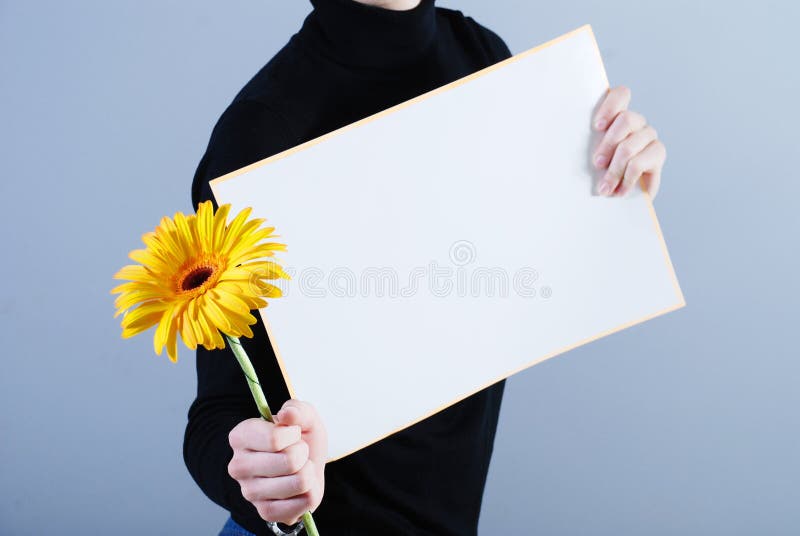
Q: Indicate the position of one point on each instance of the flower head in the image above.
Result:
(198, 276)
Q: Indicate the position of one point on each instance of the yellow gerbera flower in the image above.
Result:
(198, 275)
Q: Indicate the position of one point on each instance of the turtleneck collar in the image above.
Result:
(362, 35)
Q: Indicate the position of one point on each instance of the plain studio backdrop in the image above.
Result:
(687, 424)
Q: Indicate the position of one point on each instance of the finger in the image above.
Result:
(625, 123)
(290, 510)
(616, 100)
(297, 412)
(262, 436)
(651, 182)
(269, 464)
(627, 149)
(648, 161)
(304, 414)
(281, 487)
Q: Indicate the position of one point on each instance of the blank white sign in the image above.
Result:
(451, 241)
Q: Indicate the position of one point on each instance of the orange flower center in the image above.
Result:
(196, 277)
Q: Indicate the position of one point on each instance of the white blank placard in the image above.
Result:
(450, 241)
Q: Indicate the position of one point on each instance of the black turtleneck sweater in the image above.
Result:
(347, 61)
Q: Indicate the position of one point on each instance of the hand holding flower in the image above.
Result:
(280, 466)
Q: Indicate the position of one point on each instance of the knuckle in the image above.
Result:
(235, 437)
(614, 173)
(314, 497)
(296, 457)
(293, 403)
(662, 149)
(266, 510)
(288, 464)
(308, 503)
(634, 169)
(284, 464)
(248, 492)
(293, 518)
(273, 442)
(624, 151)
(296, 402)
(308, 408)
(235, 468)
(627, 119)
(303, 479)
(238, 436)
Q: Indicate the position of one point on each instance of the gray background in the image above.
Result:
(687, 424)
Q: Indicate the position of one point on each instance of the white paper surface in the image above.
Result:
(396, 224)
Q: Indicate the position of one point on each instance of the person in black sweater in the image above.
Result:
(351, 59)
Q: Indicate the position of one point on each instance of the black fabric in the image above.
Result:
(347, 61)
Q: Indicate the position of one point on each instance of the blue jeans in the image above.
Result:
(232, 528)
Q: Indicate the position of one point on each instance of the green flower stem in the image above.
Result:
(263, 406)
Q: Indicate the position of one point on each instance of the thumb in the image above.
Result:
(286, 416)
(304, 415)
(296, 412)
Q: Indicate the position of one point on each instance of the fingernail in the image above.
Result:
(600, 124)
(601, 161)
(604, 189)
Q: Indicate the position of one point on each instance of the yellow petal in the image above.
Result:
(205, 226)
(133, 286)
(247, 242)
(172, 339)
(271, 291)
(143, 315)
(266, 270)
(220, 221)
(135, 272)
(160, 337)
(233, 230)
(186, 331)
(247, 292)
(129, 299)
(240, 328)
(267, 249)
(168, 236)
(141, 324)
(194, 233)
(185, 235)
(255, 302)
(194, 323)
(178, 238)
(213, 312)
(239, 274)
(155, 243)
(229, 301)
(213, 338)
(153, 262)
(249, 227)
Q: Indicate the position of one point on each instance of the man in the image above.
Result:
(349, 60)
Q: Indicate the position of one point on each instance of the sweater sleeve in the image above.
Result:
(246, 132)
